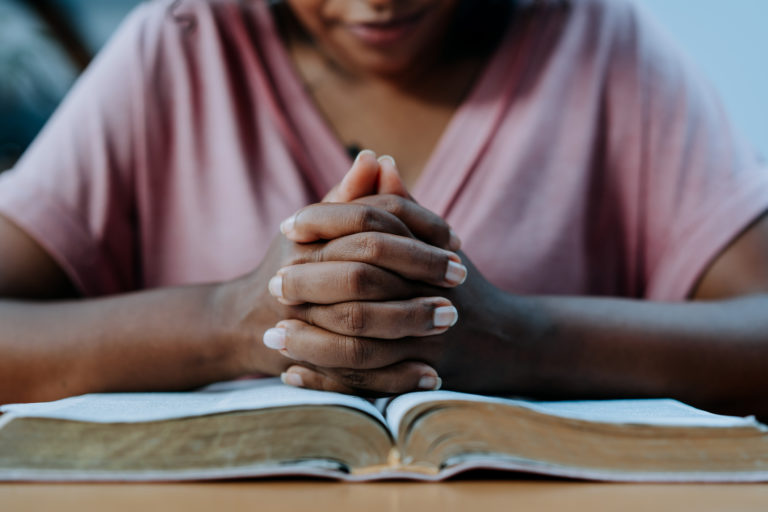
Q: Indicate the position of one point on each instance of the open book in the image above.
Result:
(263, 428)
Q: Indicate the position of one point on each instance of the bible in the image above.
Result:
(258, 428)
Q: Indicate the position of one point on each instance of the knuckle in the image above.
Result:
(371, 247)
(354, 318)
(300, 255)
(357, 278)
(293, 259)
(309, 314)
(390, 212)
(314, 253)
(415, 314)
(394, 205)
(356, 352)
(355, 379)
(367, 219)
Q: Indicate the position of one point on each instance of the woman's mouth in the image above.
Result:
(386, 33)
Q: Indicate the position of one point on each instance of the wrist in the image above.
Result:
(175, 335)
(241, 312)
(518, 338)
(534, 337)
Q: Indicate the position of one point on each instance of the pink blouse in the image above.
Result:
(588, 159)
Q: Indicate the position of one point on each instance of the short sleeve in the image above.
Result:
(73, 190)
(689, 183)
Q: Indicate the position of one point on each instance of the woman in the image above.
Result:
(590, 179)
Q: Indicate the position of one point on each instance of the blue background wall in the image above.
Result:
(728, 40)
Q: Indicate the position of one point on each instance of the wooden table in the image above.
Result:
(317, 496)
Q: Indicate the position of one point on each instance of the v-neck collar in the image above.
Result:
(455, 154)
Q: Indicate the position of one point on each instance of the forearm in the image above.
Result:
(713, 354)
(163, 339)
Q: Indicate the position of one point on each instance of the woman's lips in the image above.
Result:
(386, 33)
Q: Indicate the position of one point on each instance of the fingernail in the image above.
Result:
(292, 379)
(387, 158)
(445, 316)
(274, 338)
(287, 225)
(455, 243)
(276, 287)
(430, 382)
(365, 152)
(456, 273)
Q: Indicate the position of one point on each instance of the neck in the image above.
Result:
(473, 35)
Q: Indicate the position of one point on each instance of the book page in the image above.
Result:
(240, 395)
(652, 412)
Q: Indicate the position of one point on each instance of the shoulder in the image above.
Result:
(611, 22)
(634, 37)
(615, 39)
(186, 13)
(178, 43)
(582, 35)
(178, 14)
(157, 24)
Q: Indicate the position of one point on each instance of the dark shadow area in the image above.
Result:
(44, 46)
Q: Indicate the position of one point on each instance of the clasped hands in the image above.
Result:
(370, 292)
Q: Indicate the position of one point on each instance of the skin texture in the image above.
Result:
(360, 278)
(184, 337)
(591, 347)
(332, 24)
(711, 351)
(409, 90)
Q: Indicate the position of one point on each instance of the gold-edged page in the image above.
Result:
(624, 440)
(242, 429)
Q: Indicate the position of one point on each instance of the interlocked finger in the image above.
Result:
(423, 316)
(307, 343)
(407, 257)
(424, 224)
(327, 221)
(398, 378)
(338, 281)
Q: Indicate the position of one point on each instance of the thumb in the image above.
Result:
(361, 180)
(390, 181)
